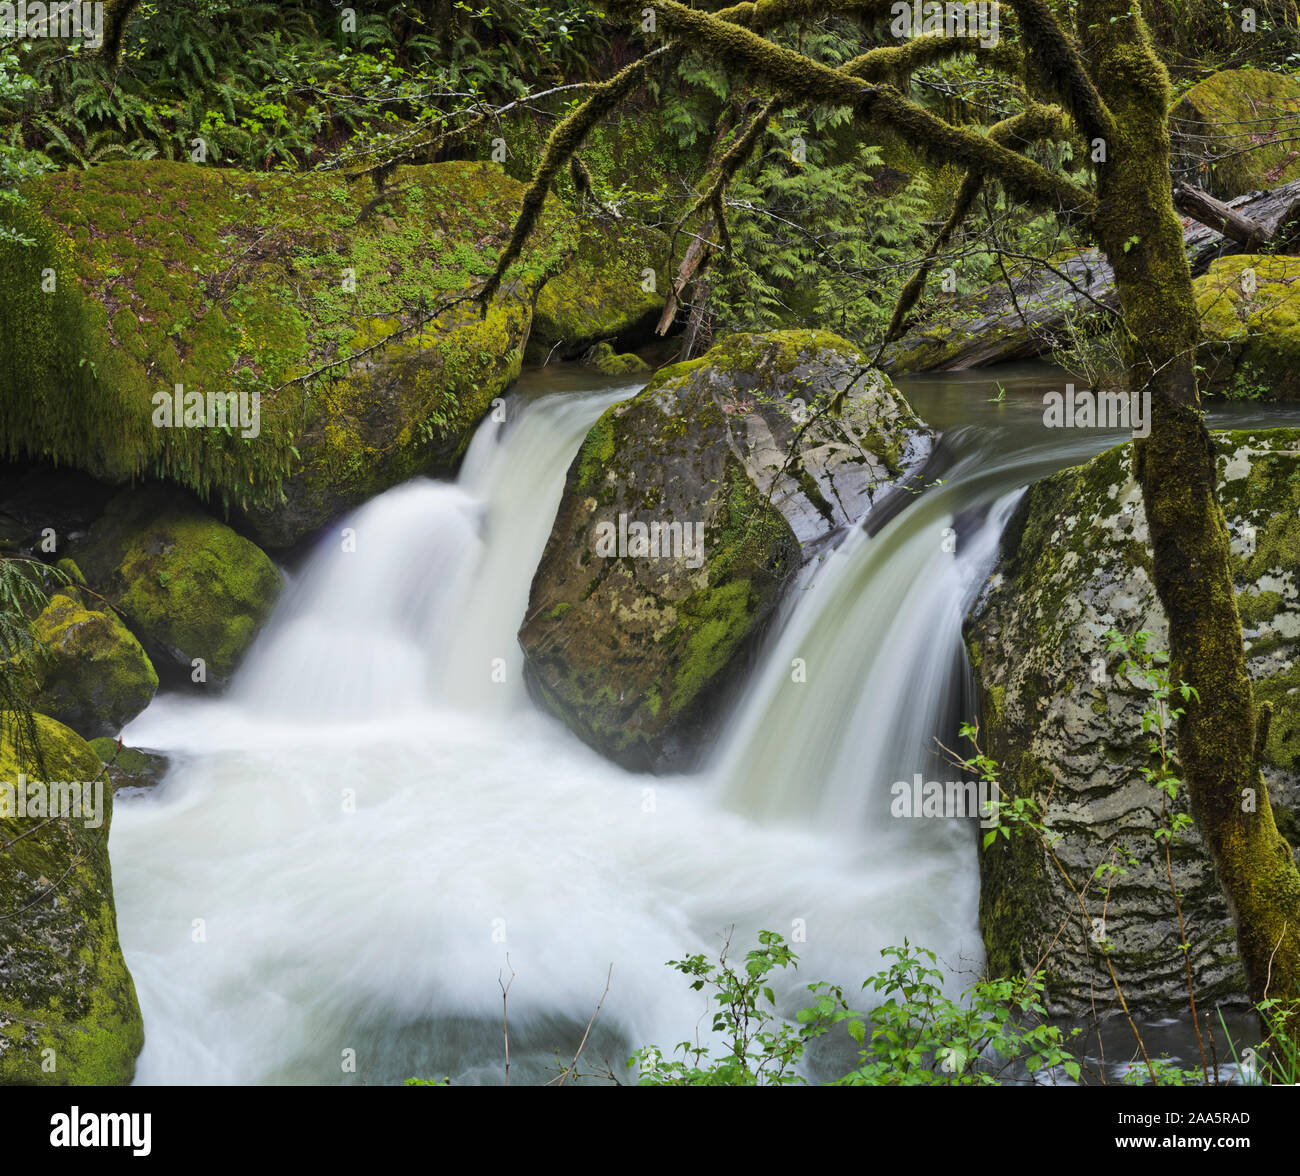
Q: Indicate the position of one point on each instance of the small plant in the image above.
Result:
(762, 1049)
(915, 1036)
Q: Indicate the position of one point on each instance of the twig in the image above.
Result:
(505, 1015)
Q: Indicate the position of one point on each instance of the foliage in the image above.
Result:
(761, 1049)
(22, 595)
(266, 85)
(16, 163)
(914, 1036)
(814, 243)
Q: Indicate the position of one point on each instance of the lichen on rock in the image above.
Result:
(1074, 565)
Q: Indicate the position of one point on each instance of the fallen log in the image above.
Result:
(1250, 234)
(992, 327)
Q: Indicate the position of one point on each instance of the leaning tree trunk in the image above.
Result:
(1221, 735)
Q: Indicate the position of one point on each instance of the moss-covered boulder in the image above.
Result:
(188, 586)
(607, 290)
(1234, 132)
(1067, 727)
(604, 359)
(685, 514)
(311, 292)
(90, 672)
(130, 767)
(1249, 308)
(68, 1009)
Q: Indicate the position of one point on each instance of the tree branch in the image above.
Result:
(803, 77)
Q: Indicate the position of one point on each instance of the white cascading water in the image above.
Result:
(370, 828)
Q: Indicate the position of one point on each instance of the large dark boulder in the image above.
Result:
(731, 472)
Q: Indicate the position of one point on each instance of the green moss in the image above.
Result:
(1251, 347)
(64, 987)
(90, 672)
(604, 359)
(1232, 106)
(751, 532)
(70, 569)
(1257, 607)
(713, 624)
(597, 451)
(777, 351)
(1283, 690)
(221, 281)
(129, 767)
(599, 292)
(188, 586)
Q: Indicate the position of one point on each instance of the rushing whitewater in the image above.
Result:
(366, 837)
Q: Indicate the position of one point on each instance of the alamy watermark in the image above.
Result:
(74, 21)
(179, 409)
(927, 18)
(78, 800)
(951, 799)
(653, 540)
(1073, 409)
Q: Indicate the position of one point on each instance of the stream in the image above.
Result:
(374, 829)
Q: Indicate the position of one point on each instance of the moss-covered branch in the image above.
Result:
(1057, 66)
(117, 14)
(1038, 122)
(563, 142)
(893, 63)
(771, 14)
(806, 79)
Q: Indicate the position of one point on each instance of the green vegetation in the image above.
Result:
(68, 1010)
(914, 1034)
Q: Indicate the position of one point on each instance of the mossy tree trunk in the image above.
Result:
(1106, 75)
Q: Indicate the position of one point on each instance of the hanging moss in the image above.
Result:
(223, 281)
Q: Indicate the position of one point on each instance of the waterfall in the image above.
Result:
(374, 828)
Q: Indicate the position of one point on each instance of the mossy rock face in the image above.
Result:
(304, 289)
(130, 767)
(68, 1009)
(91, 673)
(601, 291)
(188, 586)
(1249, 308)
(1240, 108)
(634, 647)
(1061, 721)
(604, 359)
